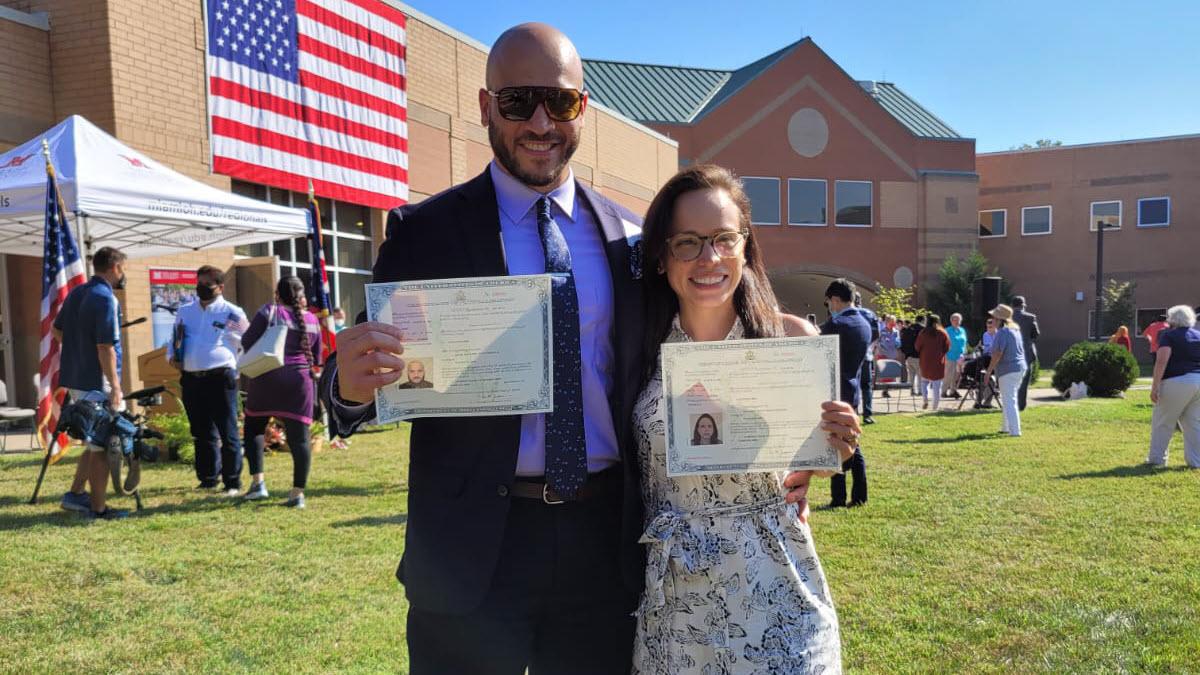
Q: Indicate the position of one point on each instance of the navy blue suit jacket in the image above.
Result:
(854, 336)
(461, 469)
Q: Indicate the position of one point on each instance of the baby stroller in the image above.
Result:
(971, 379)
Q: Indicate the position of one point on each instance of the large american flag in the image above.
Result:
(302, 89)
(62, 270)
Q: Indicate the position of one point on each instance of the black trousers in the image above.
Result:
(297, 440)
(857, 466)
(211, 404)
(557, 604)
(866, 377)
(1023, 392)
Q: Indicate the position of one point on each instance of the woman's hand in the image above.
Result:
(1154, 393)
(797, 484)
(840, 421)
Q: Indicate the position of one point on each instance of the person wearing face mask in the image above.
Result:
(88, 329)
(208, 336)
(339, 319)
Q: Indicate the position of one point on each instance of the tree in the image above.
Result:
(894, 300)
(1119, 305)
(1039, 143)
(954, 290)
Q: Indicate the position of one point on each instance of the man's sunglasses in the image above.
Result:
(519, 103)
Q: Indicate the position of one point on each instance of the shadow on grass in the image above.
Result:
(54, 518)
(373, 521)
(1134, 471)
(955, 439)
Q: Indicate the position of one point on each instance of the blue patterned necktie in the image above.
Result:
(566, 450)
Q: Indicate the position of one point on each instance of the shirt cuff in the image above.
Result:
(349, 416)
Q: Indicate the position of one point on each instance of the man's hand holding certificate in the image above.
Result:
(737, 406)
(478, 346)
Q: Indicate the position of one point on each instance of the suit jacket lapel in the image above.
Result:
(616, 244)
(480, 229)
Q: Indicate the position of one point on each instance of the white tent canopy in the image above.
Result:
(122, 198)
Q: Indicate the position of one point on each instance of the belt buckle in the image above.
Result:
(546, 495)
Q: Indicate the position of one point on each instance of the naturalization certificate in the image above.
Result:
(472, 347)
(739, 406)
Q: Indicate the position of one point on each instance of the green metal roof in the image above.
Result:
(681, 95)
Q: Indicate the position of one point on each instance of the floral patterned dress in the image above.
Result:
(733, 583)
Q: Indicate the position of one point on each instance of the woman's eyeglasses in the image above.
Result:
(519, 103)
(687, 247)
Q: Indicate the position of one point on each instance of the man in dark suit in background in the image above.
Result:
(1029, 335)
(867, 377)
(521, 549)
(854, 337)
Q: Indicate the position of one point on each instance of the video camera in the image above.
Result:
(89, 419)
(124, 434)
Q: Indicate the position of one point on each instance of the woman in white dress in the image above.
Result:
(733, 583)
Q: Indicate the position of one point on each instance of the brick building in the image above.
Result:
(846, 178)
(135, 68)
(1038, 211)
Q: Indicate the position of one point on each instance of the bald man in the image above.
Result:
(521, 545)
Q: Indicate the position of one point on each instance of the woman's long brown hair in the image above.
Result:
(753, 299)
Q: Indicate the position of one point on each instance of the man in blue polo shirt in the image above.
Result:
(208, 337)
(88, 328)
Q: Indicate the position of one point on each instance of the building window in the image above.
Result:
(1036, 220)
(1147, 316)
(1108, 213)
(345, 234)
(853, 199)
(764, 199)
(807, 201)
(992, 223)
(1154, 212)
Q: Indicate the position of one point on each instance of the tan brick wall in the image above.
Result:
(80, 59)
(159, 61)
(950, 225)
(26, 99)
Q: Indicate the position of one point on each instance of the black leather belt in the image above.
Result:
(597, 485)
(206, 373)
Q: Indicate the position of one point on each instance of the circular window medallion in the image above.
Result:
(902, 277)
(808, 133)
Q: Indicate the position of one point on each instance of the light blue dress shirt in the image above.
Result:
(212, 335)
(593, 285)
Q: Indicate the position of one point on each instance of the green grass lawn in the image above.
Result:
(1055, 552)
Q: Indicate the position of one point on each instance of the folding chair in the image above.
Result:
(888, 369)
(11, 416)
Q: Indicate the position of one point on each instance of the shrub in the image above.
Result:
(178, 435)
(1107, 369)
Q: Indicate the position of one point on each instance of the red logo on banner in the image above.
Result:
(173, 277)
(15, 161)
(134, 161)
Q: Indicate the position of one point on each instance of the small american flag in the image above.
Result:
(316, 89)
(62, 270)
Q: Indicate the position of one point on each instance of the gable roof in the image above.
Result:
(681, 95)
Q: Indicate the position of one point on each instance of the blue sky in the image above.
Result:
(1003, 72)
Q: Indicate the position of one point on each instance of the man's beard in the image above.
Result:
(510, 164)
